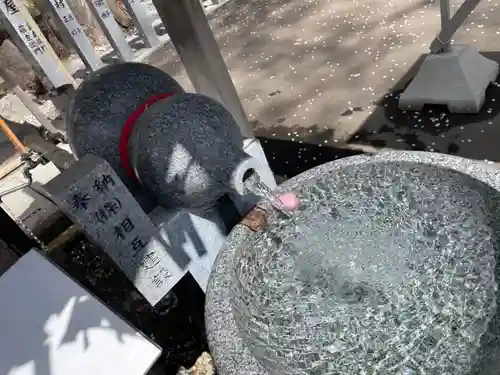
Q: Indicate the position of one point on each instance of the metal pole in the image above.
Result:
(188, 28)
(451, 27)
(445, 18)
(16, 142)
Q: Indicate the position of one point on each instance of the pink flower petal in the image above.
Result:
(290, 201)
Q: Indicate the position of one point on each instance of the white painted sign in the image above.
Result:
(30, 35)
(52, 326)
(76, 32)
(111, 28)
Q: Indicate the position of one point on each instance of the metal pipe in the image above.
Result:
(29, 181)
(48, 150)
(453, 25)
(445, 18)
(18, 145)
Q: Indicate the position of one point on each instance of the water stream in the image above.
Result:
(302, 233)
(255, 186)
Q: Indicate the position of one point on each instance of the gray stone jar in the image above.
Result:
(102, 105)
(104, 101)
(187, 150)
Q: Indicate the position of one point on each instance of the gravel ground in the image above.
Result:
(203, 366)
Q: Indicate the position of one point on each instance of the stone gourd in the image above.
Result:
(185, 150)
(194, 153)
(102, 104)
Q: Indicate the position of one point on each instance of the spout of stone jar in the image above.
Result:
(245, 171)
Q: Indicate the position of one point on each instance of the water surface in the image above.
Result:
(386, 269)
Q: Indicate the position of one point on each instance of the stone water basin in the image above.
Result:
(389, 267)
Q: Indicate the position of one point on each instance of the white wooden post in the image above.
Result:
(144, 25)
(31, 41)
(75, 33)
(110, 28)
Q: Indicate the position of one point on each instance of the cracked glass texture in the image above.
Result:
(387, 268)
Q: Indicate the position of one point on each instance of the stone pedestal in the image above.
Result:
(194, 237)
(457, 79)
